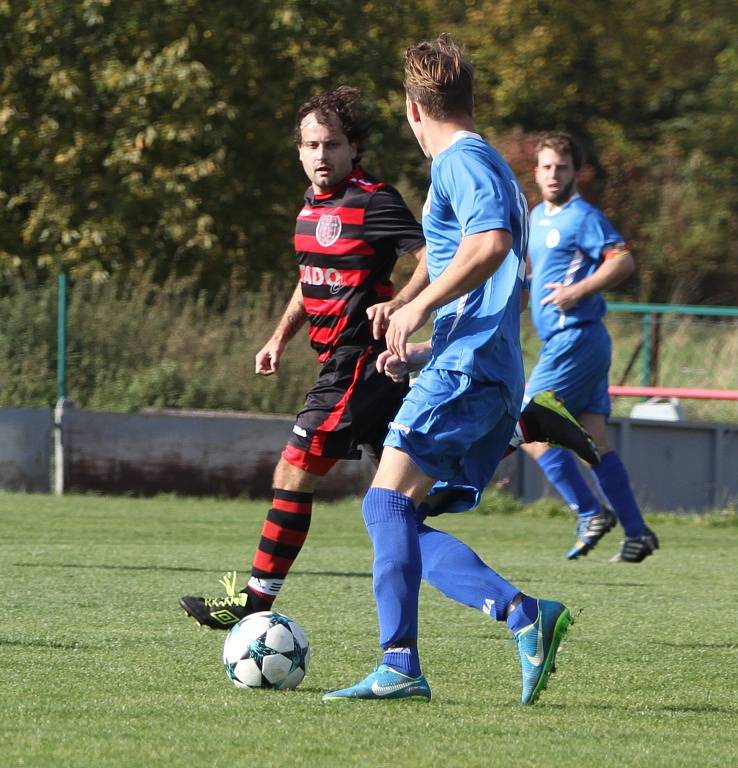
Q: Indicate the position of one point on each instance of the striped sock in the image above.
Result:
(284, 532)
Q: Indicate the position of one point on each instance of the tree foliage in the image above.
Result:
(155, 139)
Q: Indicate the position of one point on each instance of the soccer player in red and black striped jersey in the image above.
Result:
(348, 236)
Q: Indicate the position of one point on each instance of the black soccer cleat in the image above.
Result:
(219, 612)
(637, 548)
(590, 531)
(546, 420)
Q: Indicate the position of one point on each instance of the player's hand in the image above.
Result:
(390, 364)
(405, 321)
(379, 314)
(563, 297)
(267, 358)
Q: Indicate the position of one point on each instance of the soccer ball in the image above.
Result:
(266, 650)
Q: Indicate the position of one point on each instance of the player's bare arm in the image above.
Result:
(379, 314)
(479, 256)
(268, 357)
(617, 264)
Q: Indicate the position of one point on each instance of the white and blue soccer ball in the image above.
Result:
(266, 650)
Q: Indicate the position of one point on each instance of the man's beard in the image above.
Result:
(564, 194)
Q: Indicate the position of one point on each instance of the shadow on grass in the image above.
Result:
(697, 646)
(706, 709)
(41, 643)
(340, 574)
(116, 567)
(589, 583)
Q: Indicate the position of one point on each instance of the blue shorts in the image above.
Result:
(574, 363)
(456, 430)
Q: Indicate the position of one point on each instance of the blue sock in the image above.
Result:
(456, 571)
(615, 483)
(562, 471)
(523, 615)
(393, 529)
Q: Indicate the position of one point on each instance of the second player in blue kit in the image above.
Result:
(575, 253)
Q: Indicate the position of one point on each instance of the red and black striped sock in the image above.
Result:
(284, 532)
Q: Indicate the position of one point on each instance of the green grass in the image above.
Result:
(99, 666)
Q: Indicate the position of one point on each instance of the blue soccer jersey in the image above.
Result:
(566, 246)
(473, 190)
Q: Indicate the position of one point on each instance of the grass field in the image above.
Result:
(100, 667)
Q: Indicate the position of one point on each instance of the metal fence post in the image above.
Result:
(646, 369)
(61, 385)
(61, 339)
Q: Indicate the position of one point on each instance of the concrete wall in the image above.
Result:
(673, 465)
(192, 453)
(686, 466)
(25, 449)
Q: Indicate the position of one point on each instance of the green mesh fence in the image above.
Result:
(149, 347)
(145, 348)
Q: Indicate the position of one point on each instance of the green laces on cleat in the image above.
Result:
(218, 612)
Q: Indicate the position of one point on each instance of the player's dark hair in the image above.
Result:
(345, 103)
(440, 78)
(564, 144)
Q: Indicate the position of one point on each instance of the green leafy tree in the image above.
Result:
(157, 140)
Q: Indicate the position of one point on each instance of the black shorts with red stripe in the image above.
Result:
(350, 404)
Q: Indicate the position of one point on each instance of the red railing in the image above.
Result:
(683, 392)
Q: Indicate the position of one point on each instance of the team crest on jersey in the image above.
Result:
(553, 237)
(328, 229)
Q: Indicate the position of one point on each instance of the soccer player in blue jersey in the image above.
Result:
(456, 421)
(575, 253)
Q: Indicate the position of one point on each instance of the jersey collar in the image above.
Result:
(459, 135)
(356, 173)
(556, 209)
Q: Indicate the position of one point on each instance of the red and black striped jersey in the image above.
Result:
(346, 245)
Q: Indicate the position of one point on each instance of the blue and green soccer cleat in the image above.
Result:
(537, 646)
(384, 683)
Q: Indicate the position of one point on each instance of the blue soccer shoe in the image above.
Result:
(537, 646)
(590, 531)
(384, 683)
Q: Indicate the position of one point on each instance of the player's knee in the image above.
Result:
(386, 571)
(534, 450)
(291, 478)
(596, 426)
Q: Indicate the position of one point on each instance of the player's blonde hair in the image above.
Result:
(440, 78)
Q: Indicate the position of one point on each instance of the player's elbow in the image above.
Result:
(630, 265)
(626, 266)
